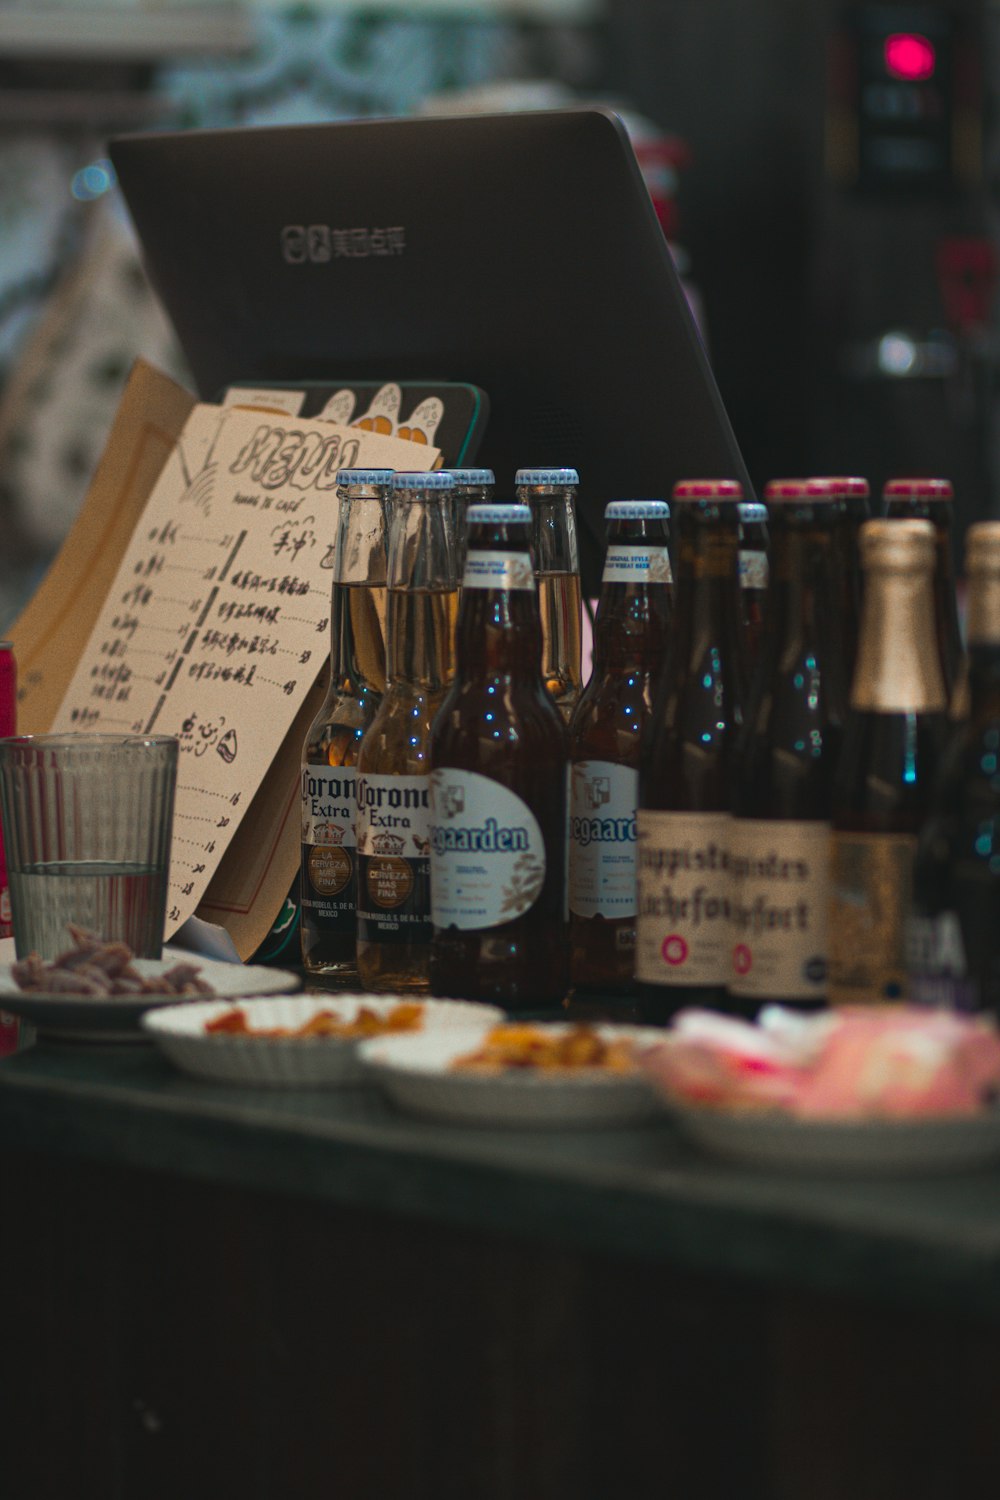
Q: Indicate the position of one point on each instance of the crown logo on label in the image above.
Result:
(329, 833)
(388, 843)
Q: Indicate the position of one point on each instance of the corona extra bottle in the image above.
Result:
(394, 905)
(499, 755)
(630, 640)
(328, 882)
(551, 494)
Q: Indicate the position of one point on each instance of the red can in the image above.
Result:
(8, 725)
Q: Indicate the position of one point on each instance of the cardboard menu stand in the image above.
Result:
(159, 615)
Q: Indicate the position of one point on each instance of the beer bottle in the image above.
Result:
(753, 578)
(394, 907)
(895, 731)
(685, 776)
(788, 752)
(933, 500)
(328, 879)
(499, 753)
(472, 487)
(852, 496)
(954, 933)
(630, 639)
(551, 494)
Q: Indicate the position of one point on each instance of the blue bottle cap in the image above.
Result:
(548, 478)
(637, 510)
(497, 515)
(752, 511)
(473, 476)
(366, 477)
(434, 479)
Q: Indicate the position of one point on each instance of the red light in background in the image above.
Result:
(909, 56)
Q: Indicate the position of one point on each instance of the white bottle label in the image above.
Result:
(682, 924)
(781, 892)
(753, 570)
(487, 852)
(603, 839)
(636, 565)
(393, 815)
(498, 570)
(329, 806)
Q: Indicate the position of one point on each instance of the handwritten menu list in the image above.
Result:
(217, 623)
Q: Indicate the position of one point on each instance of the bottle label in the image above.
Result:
(937, 963)
(871, 878)
(682, 926)
(393, 858)
(636, 565)
(329, 844)
(498, 570)
(781, 893)
(753, 570)
(487, 852)
(602, 839)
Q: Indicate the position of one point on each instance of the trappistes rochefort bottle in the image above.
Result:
(630, 640)
(954, 931)
(934, 500)
(788, 753)
(893, 740)
(328, 880)
(393, 787)
(683, 937)
(499, 769)
(551, 494)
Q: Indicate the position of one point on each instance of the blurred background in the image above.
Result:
(827, 174)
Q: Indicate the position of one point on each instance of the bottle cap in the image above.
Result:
(851, 486)
(366, 477)
(779, 491)
(898, 546)
(918, 489)
(498, 515)
(473, 476)
(708, 489)
(546, 478)
(637, 510)
(433, 479)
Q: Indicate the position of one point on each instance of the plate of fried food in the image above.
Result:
(301, 1041)
(97, 990)
(544, 1074)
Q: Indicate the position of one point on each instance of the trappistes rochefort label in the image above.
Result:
(329, 848)
(603, 839)
(781, 893)
(871, 881)
(682, 924)
(487, 852)
(393, 865)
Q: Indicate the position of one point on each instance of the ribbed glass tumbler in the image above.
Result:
(87, 823)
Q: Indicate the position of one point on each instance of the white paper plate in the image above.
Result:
(849, 1146)
(295, 1062)
(116, 1018)
(415, 1073)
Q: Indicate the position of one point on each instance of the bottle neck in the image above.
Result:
(803, 610)
(633, 610)
(499, 631)
(706, 592)
(899, 665)
(983, 630)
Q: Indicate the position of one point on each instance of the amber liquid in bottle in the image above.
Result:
(893, 740)
(499, 752)
(685, 780)
(788, 754)
(551, 494)
(630, 640)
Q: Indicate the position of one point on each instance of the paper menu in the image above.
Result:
(216, 625)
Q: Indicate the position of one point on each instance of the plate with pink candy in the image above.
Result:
(886, 1089)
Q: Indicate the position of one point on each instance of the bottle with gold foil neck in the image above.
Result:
(954, 932)
(933, 500)
(894, 737)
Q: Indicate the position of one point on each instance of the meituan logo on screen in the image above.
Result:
(315, 244)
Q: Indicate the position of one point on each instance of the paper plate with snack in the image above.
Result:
(530, 1074)
(881, 1088)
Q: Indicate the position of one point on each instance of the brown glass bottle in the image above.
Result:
(393, 787)
(499, 752)
(753, 567)
(328, 872)
(630, 640)
(933, 500)
(685, 778)
(954, 929)
(788, 753)
(895, 733)
(853, 501)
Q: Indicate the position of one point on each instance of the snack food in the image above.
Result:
(100, 969)
(365, 1023)
(852, 1063)
(547, 1050)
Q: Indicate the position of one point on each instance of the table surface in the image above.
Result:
(930, 1241)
